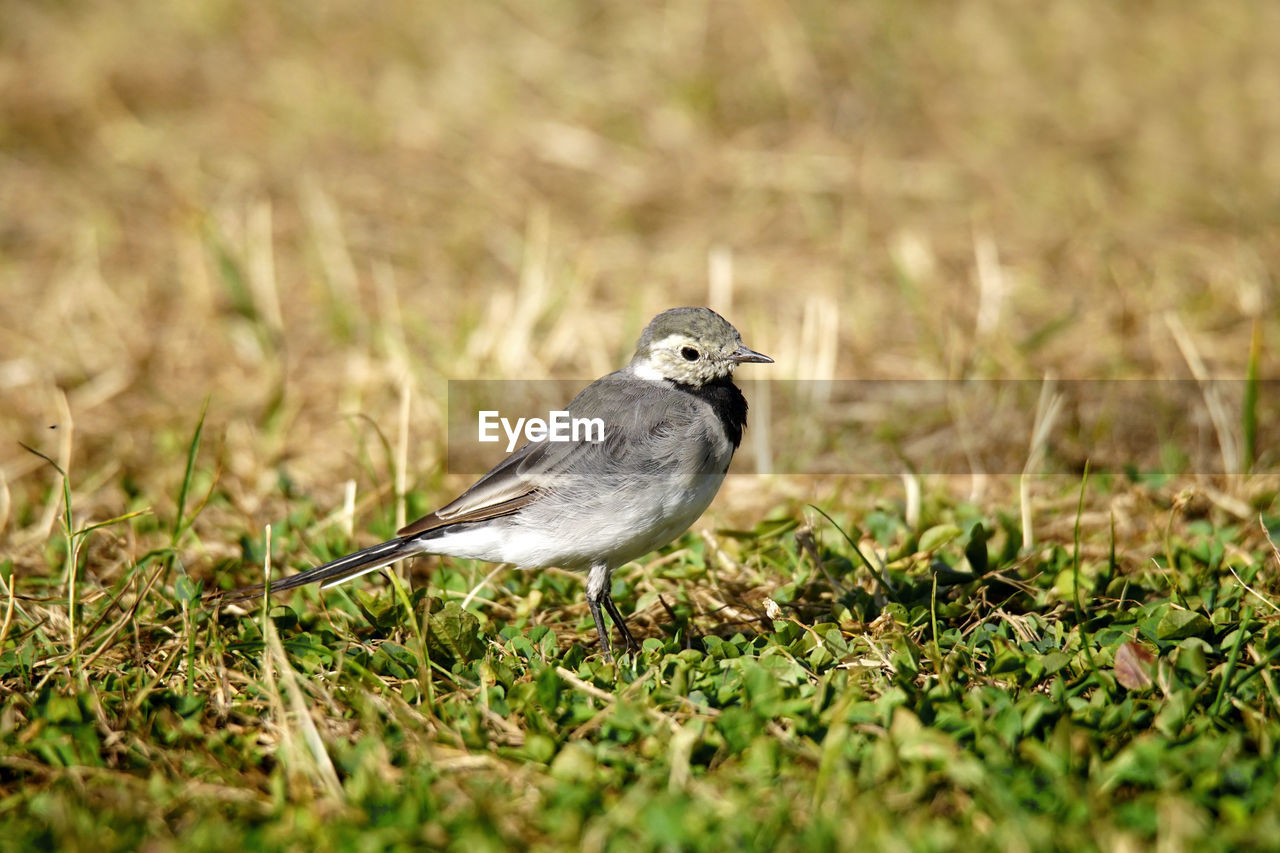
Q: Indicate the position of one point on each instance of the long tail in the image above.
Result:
(342, 569)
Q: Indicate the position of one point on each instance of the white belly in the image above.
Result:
(625, 524)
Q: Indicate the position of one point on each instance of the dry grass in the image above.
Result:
(291, 213)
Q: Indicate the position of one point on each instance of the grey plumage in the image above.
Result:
(673, 418)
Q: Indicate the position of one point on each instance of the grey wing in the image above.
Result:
(511, 484)
(626, 406)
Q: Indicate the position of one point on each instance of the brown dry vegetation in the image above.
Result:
(293, 210)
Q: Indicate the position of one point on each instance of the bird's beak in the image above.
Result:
(744, 355)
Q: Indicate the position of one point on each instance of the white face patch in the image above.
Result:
(671, 343)
(666, 361)
(646, 370)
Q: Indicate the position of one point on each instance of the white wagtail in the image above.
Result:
(673, 418)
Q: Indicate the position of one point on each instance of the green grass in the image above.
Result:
(244, 247)
(1040, 700)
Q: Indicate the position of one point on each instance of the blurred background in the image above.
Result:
(315, 215)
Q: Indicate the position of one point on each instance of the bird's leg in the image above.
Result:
(597, 595)
(612, 610)
(600, 629)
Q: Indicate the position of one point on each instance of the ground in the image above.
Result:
(251, 251)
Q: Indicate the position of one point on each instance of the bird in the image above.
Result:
(672, 417)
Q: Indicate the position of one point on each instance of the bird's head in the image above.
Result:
(691, 346)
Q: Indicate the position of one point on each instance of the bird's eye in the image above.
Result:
(689, 353)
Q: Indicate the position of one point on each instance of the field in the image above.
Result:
(250, 251)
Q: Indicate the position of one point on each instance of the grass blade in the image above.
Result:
(180, 522)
